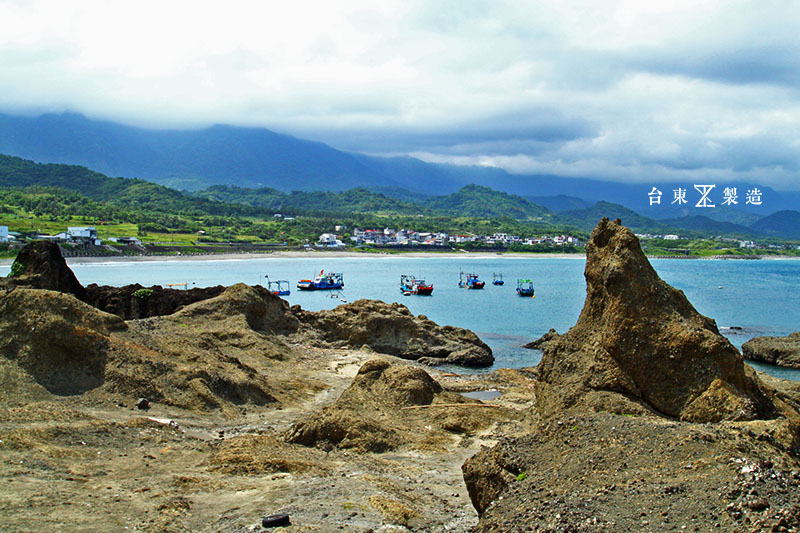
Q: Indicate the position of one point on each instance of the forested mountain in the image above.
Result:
(190, 159)
(783, 224)
(121, 192)
(587, 218)
(713, 227)
(81, 189)
(352, 201)
(478, 201)
(257, 158)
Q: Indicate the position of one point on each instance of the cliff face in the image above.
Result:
(131, 302)
(638, 340)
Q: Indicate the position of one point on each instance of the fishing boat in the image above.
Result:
(280, 287)
(322, 282)
(525, 288)
(412, 285)
(470, 281)
(497, 279)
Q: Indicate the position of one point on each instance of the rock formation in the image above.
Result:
(385, 328)
(780, 351)
(40, 265)
(541, 342)
(615, 428)
(639, 341)
(393, 330)
(137, 301)
(201, 349)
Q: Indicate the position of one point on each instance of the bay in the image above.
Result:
(761, 297)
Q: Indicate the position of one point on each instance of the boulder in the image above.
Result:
(640, 345)
(40, 265)
(261, 310)
(361, 417)
(779, 351)
(544, 340)
(393, 330)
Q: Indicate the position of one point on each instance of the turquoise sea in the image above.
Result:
(761, 297)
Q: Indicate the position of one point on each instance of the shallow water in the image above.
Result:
(760, 297)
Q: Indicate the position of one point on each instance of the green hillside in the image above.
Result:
(353, 201)
(709, 226)
(782, 224)
(478, 201)
(586, 219)
(124, 193)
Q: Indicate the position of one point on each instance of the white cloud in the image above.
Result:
(623, 89)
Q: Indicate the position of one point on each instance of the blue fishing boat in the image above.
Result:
(322, 282)
(525, 288)
(497, 279)
(470, 281)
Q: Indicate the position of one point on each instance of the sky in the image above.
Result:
(624, 90)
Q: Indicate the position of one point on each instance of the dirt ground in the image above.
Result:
(96, 462)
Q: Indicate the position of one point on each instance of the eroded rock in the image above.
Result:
(624, 417)
(40, 265)
(380, 411)
(60, 341)
(639, 341)
(393, 330)
(779, 351)
(137, 301)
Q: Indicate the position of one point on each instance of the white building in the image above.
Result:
(327, 238)
(83, 235)
(3, 233)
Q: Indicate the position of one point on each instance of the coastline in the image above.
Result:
(301, 255)
(305, 254)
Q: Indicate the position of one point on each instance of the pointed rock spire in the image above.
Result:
(640, 344)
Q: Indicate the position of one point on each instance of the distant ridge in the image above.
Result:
(783, 224)
(708, 225)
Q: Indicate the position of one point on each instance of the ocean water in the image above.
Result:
(760, 297)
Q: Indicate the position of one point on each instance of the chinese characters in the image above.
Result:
(730, 196)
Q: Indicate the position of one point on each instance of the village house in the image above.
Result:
(86, 235)
(330, 240)
(127, 241)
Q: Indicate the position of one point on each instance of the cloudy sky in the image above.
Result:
(627, 90)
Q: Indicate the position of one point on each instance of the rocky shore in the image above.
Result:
(143, 408)
(779, 351)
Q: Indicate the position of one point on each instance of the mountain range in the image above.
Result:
(217, 161)
(473, 202)
(258, 158)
